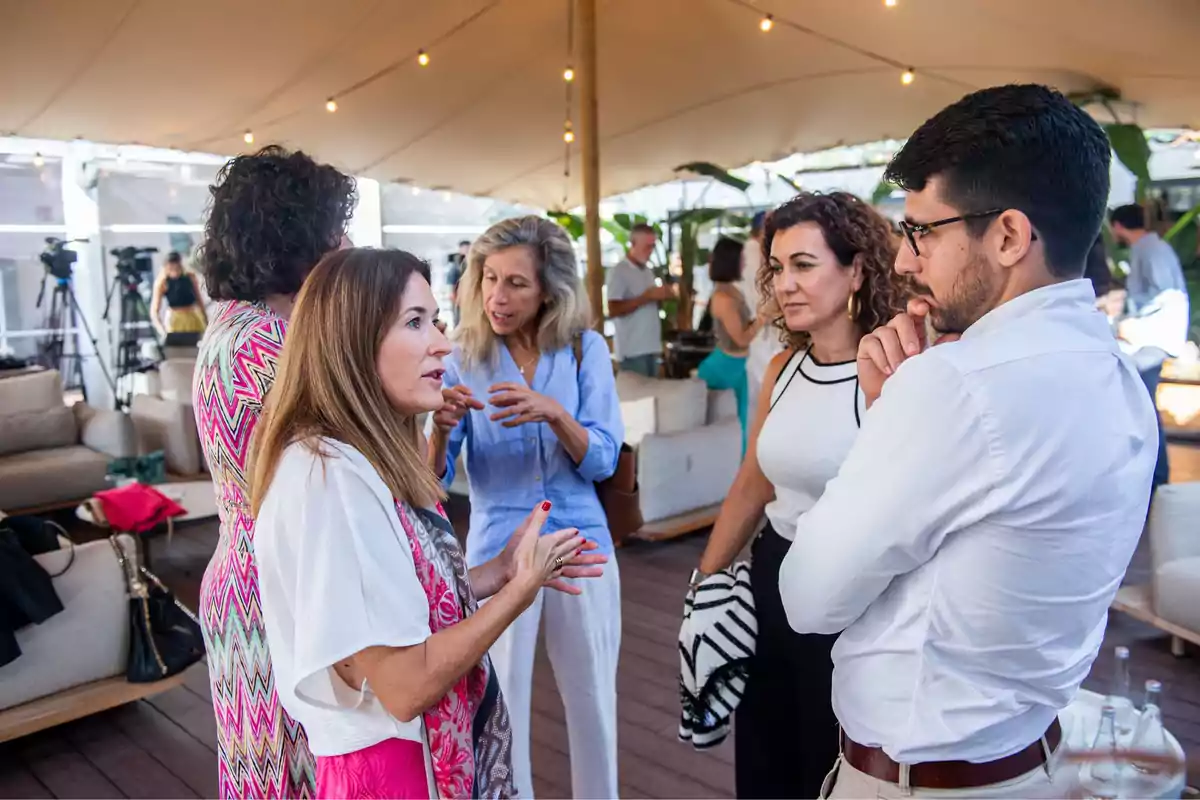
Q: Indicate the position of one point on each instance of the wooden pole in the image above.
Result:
(589, 147)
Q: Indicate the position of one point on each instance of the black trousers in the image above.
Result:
(785, 732)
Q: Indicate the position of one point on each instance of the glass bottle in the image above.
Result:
(1121, 698)
(1101, 774)
(1150, 737)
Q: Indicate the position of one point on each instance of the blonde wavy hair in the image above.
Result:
(565, 310)
(328, 380)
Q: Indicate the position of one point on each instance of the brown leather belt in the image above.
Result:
(951, 774)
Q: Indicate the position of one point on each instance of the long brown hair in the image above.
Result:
(851, 228)
(328, 383)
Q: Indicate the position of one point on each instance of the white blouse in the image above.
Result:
(336, 575)
(815, 410)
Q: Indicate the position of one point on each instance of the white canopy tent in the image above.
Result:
(470, 94)
(678, 80)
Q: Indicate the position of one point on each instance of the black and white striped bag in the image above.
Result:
(716, 642)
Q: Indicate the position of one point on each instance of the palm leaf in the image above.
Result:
(716, 173)
(571, 223)
(1129, 143)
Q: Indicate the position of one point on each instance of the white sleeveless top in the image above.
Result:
(814, 418)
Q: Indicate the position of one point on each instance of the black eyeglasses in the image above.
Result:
(911, 232)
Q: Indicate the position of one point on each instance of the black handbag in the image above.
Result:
(164, 636)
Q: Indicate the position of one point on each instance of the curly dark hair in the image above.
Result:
(851, 228)
(272, 216)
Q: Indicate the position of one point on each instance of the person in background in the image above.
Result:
(830, 274)
(633, 298)
(185, 311)
(734, 326)
(273, 215)
(766, 344)
(530, 394)
(1155, 325)
(377, 644)
(454, 275)
(981, 526)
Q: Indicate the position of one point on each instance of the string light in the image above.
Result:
(38, 161)
(568, 134)
(568, 74)
(766, 23)
(331, 105)
(423, 58)
(907, 77)
(890, 3)
(248, 137)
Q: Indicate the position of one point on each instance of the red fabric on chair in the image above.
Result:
(137, 508)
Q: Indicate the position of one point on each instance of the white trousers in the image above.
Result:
(583, 640)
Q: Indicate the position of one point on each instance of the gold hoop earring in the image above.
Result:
(851, 306)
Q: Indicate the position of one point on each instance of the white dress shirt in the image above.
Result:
(977, 531)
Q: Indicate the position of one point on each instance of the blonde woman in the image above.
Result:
(378, 646)
(538, 421)
(181, 290)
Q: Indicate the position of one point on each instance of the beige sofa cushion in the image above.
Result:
(175, 379)
(1172, 525)
(35, 391)
(37, 430)
(46, 477)
(88, 640)
(1177, 593)
(679, 405)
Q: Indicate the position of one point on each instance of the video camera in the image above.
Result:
(58, 259)
(133, 264)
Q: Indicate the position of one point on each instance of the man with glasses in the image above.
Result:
(980, 526)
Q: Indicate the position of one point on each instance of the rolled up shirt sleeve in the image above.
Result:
(919, 470)
(599, 410)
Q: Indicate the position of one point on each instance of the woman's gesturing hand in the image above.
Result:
(456, 401)
(521, 404)
(538, 561)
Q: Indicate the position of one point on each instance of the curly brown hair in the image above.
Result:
(273, 215)
(851, 228)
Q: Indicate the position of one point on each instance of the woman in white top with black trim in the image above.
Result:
(830, 275)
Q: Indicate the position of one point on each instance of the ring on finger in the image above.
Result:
(558, 563)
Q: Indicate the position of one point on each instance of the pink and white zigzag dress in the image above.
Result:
(262, 752)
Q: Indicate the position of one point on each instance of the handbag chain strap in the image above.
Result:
(136, 588)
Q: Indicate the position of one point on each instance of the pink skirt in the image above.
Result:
(394, 768)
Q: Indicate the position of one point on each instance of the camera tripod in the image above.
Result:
(62, 316)
(132, 315)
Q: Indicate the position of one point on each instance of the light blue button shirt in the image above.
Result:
(512, 469)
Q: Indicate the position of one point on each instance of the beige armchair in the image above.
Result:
(164, 418)
(52, 455)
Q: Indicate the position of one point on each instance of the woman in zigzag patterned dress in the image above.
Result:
(273, 215)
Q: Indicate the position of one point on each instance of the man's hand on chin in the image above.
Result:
(883, 350)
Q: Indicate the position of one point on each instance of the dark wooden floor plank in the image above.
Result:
(187, 758)
(196, 679)
(63, 770)
(18, 782)
(125, 763)
(189, 712)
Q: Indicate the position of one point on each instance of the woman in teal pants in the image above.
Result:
(734, 326)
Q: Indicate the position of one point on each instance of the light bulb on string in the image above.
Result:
(423, 58)
(248, 137)
(568, 74)
(331, 105)
(907, 77)
(766, 23)
(568, 134)
(890, 3)
(38, 160)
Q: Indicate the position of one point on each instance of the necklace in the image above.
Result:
(527, 365)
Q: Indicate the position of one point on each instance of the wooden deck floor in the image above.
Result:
(165, 747)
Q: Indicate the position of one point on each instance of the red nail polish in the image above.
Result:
(546, 505)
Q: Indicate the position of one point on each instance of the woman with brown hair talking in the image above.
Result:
(378, 645)
(829, 279)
